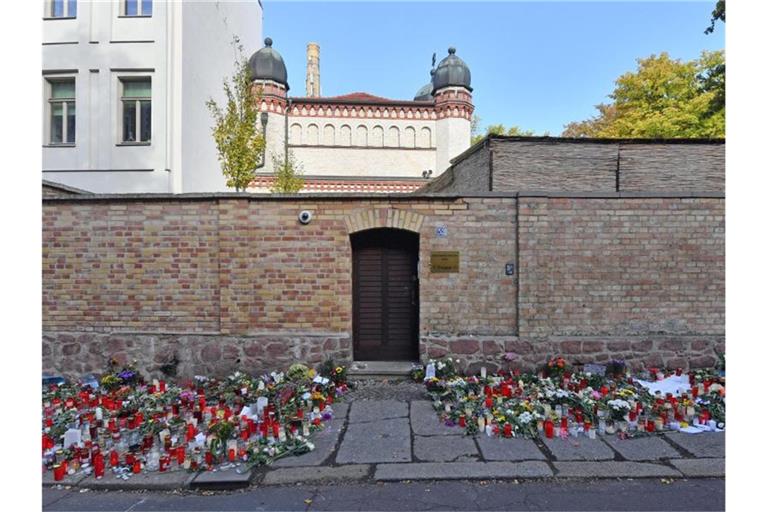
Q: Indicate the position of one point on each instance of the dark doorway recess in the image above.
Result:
(385, 289)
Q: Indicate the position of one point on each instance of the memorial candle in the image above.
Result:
(462, 421)
(58, 472)
(549, 429)
(114, 459)
(136, 466)
(507, 430)
(180, 453)
(98, 465)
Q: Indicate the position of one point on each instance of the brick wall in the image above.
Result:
(553, 166)
(218, 282)
(666, 167)
(567, 165)
(210, 283)
(624, 277)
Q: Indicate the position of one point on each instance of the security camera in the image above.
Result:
(305, 216)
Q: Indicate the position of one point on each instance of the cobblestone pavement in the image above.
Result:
(389, 432)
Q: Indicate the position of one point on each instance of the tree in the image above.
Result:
(718, 14)
(288, 172)
(239, 142)
(500, 129)
(664, 98)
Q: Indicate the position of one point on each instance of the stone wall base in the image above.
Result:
(638, 352)
(185, 355)
(74, 353)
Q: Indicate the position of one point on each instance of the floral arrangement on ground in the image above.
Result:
(130, 425)
(565, 401)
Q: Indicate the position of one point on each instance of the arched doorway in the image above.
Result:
(385, 288)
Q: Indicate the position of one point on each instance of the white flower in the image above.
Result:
(526, 417)
(619, 405)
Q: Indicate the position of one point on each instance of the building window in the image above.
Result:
(137, 8)
(62, 107)
(63, 9)
(136, 101)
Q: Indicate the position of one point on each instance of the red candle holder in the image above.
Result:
(58, 472)
(549, 429)
(180, 452)
(208, 458)
(462, 421)
(231, 454)
(650, 426)
(114, 459)
(507, 430)
(165, 462)
(136, 466)
(98, 466)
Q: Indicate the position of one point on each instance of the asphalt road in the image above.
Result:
(643, 494)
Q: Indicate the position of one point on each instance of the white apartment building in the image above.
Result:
(124, 85)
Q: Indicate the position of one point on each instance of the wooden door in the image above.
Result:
(385, 295)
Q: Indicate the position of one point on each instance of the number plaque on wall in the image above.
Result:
(444, 262)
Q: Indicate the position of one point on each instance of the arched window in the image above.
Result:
(361, 138)
(409, 137)
(377, 136)
(295, 137)
(345, 135)
(329, 135)
(313, 135)
(393, 137)
(425, 138)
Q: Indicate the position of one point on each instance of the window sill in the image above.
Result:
(134, 16)
(48, 18)
(119, 144)
(59, 145)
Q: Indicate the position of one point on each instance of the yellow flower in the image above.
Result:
(339, 369)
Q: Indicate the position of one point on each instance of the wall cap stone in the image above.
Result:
(341, 196)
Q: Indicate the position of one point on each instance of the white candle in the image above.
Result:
(483, 372)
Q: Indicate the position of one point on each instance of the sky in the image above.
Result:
(537, 65)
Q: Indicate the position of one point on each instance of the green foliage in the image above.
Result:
(718, 14)
(239, 142)
(664, 98)
(288, 172)
(500, 129)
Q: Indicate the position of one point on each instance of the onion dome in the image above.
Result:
(425, 93)
(267, 64)
(452, 72)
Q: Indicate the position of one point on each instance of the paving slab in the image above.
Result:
(499, 448)
(325, 442)
(643, 448)
(68, 479)
(426, 422)
(613, 469)
(378, 441)
(340, 410)
(377, 410)
(461, 470)
(579, 448)
(222, 479)
(155, 481)
(700, 467)
(445, 449)
(705, 444)
(315, 475)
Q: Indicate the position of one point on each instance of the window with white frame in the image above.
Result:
(136, 99)
(63, 8)
(61, 104)
(137, 7)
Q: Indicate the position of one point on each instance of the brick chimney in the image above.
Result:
(313, 70)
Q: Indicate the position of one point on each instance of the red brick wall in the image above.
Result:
(622, 266)
(224, 281)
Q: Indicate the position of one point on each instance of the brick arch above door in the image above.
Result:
(384, 218)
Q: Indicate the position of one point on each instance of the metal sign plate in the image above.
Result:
(444, 262)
